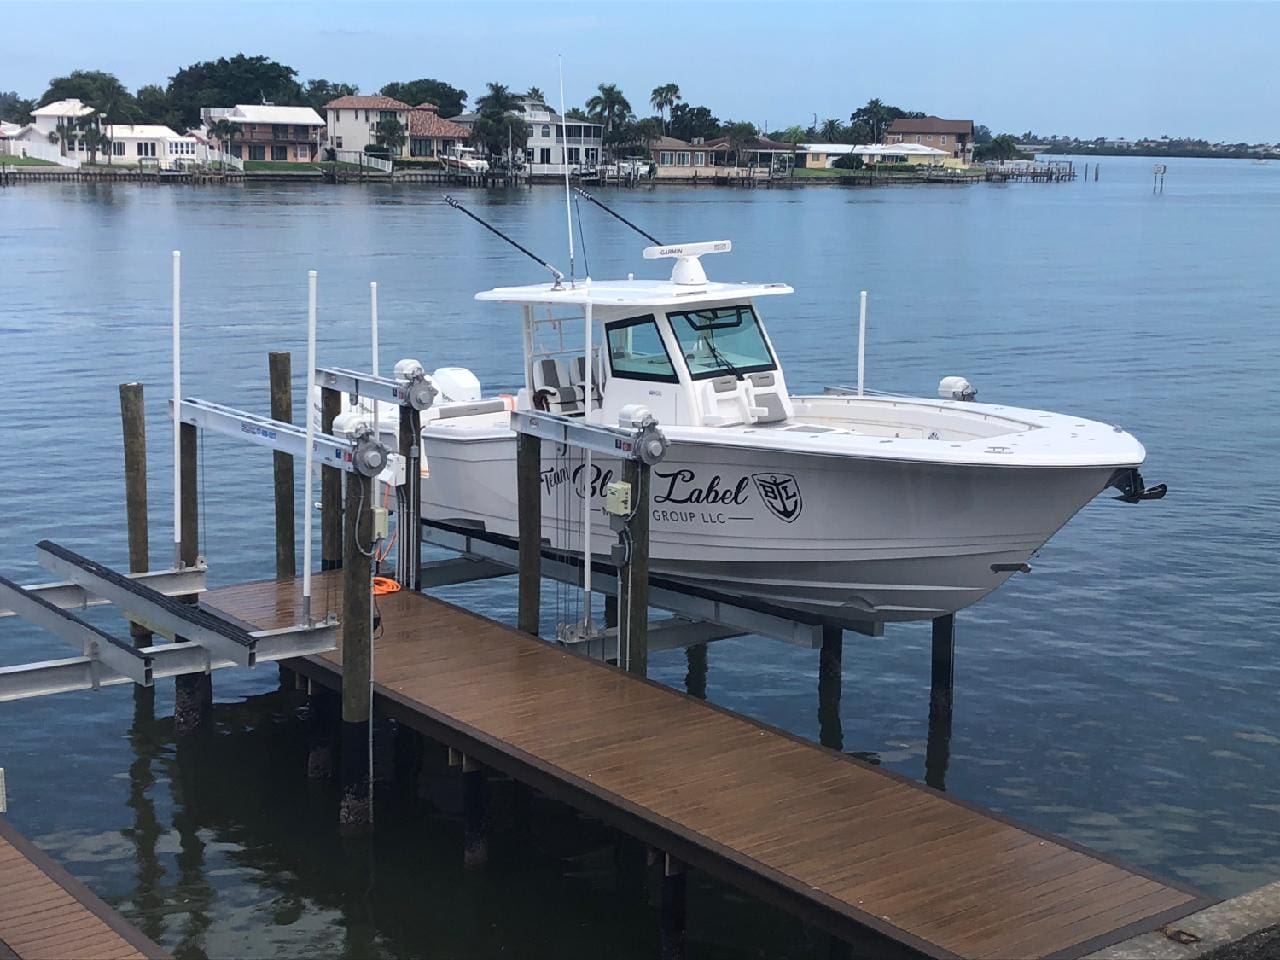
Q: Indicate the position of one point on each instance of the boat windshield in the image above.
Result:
(720, 340)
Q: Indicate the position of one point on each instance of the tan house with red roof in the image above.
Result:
(432, 136)
(351, 122)
(955, 137)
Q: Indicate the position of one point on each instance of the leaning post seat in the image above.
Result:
(765, 395)
(553, 390)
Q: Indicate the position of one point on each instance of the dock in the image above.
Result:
(844, 845)
(46, 914)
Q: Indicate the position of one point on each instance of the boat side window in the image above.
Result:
(636, 350)
(720, 340)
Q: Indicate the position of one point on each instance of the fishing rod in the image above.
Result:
(648, 236)
(492, 229)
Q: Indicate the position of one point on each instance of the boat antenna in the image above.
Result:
(564, 160)
(492, 229)
(648, 236)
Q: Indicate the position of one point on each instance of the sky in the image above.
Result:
(1202, 69)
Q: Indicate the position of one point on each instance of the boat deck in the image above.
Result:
(842, 844)
(46, 914)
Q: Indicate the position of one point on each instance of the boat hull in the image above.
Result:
(842, 537)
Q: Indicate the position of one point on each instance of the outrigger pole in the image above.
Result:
(492, 229)
(617, 216)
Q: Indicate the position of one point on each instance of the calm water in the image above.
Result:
(1123, 694)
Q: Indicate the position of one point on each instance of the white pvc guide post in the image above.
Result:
(376, 492)
(564, 159)
(377, 419)
(308, 504)
(587, 506)
(862, 337)
(177, 408)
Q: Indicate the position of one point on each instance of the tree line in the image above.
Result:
(257, 79)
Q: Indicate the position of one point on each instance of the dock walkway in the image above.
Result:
(46, 914)
(842, 844)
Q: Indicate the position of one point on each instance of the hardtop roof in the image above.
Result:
(632, 293)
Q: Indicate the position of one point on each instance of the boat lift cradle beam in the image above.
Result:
(713, 614)
(107, 659)
(172, 617)
(71, 596)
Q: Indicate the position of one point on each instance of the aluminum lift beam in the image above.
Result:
(639, 443)
(166, 615)
(172, 583)
(288, 438)
(366, 386)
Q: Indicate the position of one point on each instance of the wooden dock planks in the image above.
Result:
(845, 845)
(46, 914)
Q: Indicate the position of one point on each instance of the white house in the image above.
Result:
(351, 122)
(51, 120)
(58, 114)
(553, 141)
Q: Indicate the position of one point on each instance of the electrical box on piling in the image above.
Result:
(617, 499)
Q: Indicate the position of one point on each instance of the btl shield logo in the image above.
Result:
(780, 493)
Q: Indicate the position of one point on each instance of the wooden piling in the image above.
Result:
(193, 692)
(943, 674)
(633, 578)
(331, 535)
(695, 676)
(133, 424)
(357, 649)
(475, 849)
(281, 369)
(409, 558)
(529, 518)
(322, 711)
(673, 909)
(830, 677)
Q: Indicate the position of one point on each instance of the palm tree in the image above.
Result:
(536, 95)
(609, 107)
(66, 134)
(389, 132)
(498, 100)
(94, 140)
(664, 98)
(830, 130)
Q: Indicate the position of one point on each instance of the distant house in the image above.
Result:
(148, 144)
(912, 153)
(954, 137)
(268, 132)
(351, 123)
(758, 152)
(58, 114)
(51, 120)
(678, 158)
(822, 156)
(432, 136)
(553, 142)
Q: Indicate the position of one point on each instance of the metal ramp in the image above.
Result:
(212, 642)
